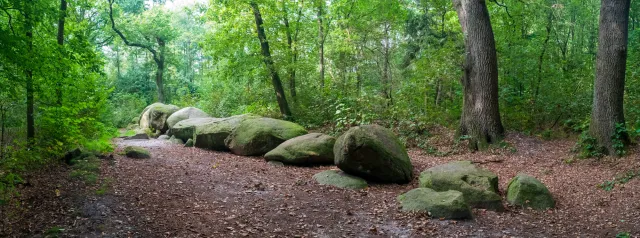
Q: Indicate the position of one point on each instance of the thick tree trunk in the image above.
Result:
(608, 94)
(60, 38)
(481, 115)
(268, 61)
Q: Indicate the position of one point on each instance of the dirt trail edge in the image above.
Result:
(189, 192)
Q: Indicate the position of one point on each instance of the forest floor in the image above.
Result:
(189, 192)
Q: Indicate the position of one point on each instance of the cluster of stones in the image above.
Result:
(363, 153)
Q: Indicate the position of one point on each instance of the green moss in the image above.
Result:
(261, 135)
(340, 179)
(373, 153)
(479, 186)
(136, 152)
(447, 204)
(524, 190)
(310, 149)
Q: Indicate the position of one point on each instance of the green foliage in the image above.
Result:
(54, 232)
(609, 185)
(618, 139)
(87, 169)
(623, 235)
(588, 147)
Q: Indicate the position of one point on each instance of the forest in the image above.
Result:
(319, 118)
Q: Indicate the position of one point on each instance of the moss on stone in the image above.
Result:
(479, 186)
(373, 153)
(527, 191)
(184, 114)
(340, 179)
(447, 204)
(137, 152)
(305, 150)
(261, 135)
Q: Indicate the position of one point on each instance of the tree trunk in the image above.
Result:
(160, 72)
(321, 44)
(608, 94)
(29, 74)
(292, 39)
(268, 61)
(480, 119)
(63, 14)
(3, 110)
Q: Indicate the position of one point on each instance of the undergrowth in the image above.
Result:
(609, 185)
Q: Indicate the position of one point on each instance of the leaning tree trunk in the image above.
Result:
(608, 94)
(268, 61)
(481, 115)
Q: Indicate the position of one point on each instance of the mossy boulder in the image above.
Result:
(479, 186)
(163, 137)
(184, 114)
(186, 129)
(527, 191)
(374, 153)
(189, 143)
(137, 152)
(305, 150)
(212, 135)
(154, 117)
(448, 204)
(340, 179)
(175, 140)
(261, 135)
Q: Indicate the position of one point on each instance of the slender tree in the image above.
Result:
(158, 55)
(321, 40)
(292, 41)
(268, 61)
(60, 38)
(607, 112)
(480, 116)
(31, 131)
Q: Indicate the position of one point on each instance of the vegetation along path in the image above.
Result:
(189, 192)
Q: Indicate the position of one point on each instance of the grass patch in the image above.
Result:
(104, 187)
(609, 185)
(54, 232)
(86, 169)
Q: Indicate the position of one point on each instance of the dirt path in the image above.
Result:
(189, 192)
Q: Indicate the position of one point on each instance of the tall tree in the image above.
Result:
(157, 54)
(60, 38)
(608, 95)
(321, 40)
(268, 61)
(292, 41)
(29, 24)
(481, 115)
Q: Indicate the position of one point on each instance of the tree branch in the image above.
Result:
(5, 10)
(124, 39)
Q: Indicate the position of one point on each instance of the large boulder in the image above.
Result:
(184, 114)
(373, 153)
(448, 205)
(259, 136)
(479, 186)
(137, 152)
(208, 133)
(310, 149)
(212, 136)
(154, 117)
(186, 129)
(527, 191)
(339, 179)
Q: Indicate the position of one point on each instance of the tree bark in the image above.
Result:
(29, 73)
(292, 39)
(480, 119)
(60, 38)
(160, 72)
(321, 38)
(611, 60)
(268, 61)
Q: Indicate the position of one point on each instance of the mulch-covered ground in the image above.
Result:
(189, 192)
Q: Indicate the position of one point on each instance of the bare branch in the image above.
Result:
(124, 39)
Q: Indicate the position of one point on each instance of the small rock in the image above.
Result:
(137, 152)
(527, 191)
(340, 179)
